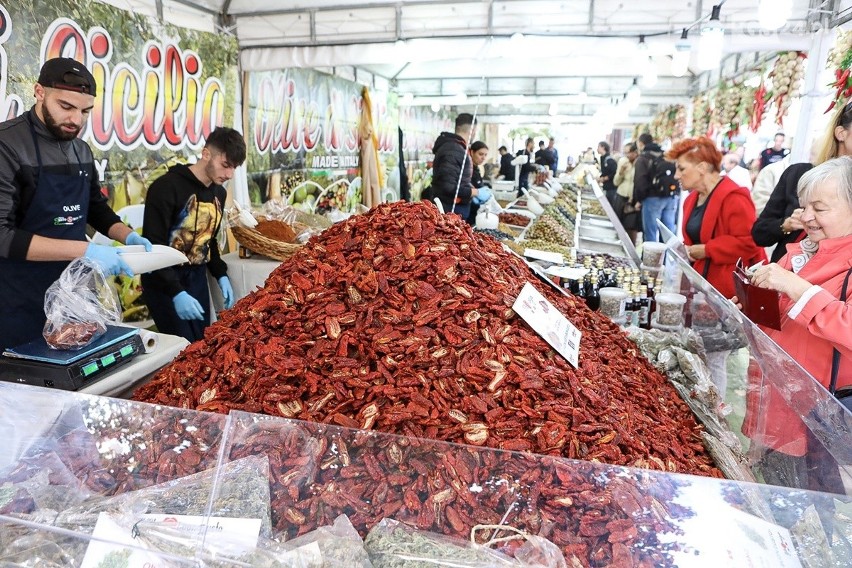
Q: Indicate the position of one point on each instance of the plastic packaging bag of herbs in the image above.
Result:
(241, 491)
(392, 544)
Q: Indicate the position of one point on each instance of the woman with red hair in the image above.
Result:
(717, 214)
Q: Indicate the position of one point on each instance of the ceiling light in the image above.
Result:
(517, 39)
(553, 109)
(680, 57)
(712, 41)
(435, 107)
(407, 99)
(518, 101)
(631, 99)
(460, 98)
(773, 14)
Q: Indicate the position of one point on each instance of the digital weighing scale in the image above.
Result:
(35, 363)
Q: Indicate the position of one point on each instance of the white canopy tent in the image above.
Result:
(578, 54)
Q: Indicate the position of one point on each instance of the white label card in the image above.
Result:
(549, 323)
(228, 535)
(554, 257)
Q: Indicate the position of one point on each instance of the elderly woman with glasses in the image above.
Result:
(779, 223)
(816, 324)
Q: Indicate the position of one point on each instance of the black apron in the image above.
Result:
(58, 210)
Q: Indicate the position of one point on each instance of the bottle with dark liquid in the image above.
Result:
(593, 298)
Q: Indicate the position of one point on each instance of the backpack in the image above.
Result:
(663, 181)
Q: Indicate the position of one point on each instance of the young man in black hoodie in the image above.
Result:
(183, 209)
(452, 167)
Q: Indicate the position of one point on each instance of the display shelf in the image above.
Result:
(293, 476)
(606, 233)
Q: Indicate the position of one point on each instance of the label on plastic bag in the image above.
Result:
(232, 536)
(549, 323)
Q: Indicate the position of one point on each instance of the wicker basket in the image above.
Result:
(278, 250)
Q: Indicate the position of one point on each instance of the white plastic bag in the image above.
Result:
(79, 306)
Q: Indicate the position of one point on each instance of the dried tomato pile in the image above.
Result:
(400, 320)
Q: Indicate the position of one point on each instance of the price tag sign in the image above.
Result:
(554, 257)
(549, 323)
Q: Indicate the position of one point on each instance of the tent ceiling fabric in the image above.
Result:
(440, 48)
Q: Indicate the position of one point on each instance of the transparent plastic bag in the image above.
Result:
(280, 211)
(392, 544)
(339, 545)
(241, 490)
(79, 306)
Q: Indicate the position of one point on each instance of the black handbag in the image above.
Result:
(844, 395)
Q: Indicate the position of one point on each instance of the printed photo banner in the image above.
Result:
(161, 91)
(152, 94)
(303, 132)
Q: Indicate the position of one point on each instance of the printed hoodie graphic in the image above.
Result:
(195, 228)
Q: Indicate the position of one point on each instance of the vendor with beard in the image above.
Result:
(49, 192)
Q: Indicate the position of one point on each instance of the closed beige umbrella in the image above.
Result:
(371, 176)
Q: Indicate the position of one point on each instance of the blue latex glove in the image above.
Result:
(187, 307)
(108, 258)
(227, 291)
(135, 238)
(484, 195)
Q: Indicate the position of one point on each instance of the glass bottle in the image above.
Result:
(593, 298)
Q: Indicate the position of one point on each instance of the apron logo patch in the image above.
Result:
(69, 220)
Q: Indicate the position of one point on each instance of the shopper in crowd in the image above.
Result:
(625, 207)
(49, 192)
(765, 183)
(554, 155)
(507, 170)
(184, 209)
(717, 214)
(478, 155)
(774, 154)
(778, 223)
(816, 325)
(529, 167)
(655, 189)
(541, 154)
(738, 174)
(608, 167)
(452, 167)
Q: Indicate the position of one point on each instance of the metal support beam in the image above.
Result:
(591, 23)
(398, 22)
(159, 5)
(490, 17)
(195, 6)
(312, 15)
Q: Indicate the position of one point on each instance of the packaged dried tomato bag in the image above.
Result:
(79, 306)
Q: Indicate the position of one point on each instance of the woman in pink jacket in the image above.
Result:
(816, 324)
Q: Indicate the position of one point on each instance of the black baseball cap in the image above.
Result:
(67, 74)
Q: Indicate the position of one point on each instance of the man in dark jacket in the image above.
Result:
(49, 192)
(526, 169)
(655, 201)
(183, 210)
(452, 168)
(608, 168)
(507, 170)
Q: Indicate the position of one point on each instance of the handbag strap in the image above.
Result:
(835, 356)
